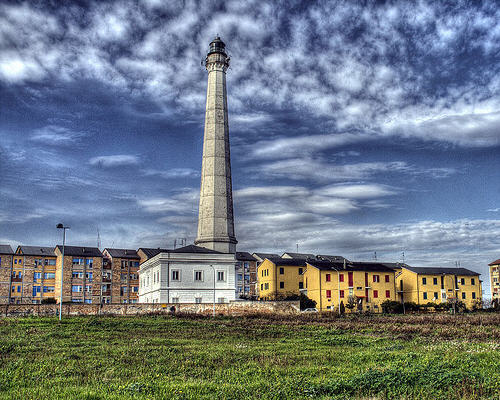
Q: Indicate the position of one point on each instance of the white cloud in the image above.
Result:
(173, 173)
(358, 191)
(118, 160)
(54, 135)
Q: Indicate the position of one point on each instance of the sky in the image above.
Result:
(355, 129)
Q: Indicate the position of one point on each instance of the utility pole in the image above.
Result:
(61, 226)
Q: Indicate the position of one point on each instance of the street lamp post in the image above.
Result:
(61, 226)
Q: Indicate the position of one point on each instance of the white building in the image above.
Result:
(186, 275)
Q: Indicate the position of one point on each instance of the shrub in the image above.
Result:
(392, 307)
(306, 302)
(49, 300)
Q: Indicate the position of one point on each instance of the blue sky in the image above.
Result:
(354, 129)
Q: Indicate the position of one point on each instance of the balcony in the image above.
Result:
(106, 293)
(106, 279)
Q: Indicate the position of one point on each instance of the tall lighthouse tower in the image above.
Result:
(215, 218)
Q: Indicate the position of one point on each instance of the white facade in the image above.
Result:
(171, 277)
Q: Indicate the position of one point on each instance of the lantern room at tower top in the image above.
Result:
(217, 46)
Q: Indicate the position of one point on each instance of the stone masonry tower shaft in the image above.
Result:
(215, 218)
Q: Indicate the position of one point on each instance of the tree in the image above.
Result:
(351, 302)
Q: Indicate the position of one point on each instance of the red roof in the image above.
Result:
(497, 262)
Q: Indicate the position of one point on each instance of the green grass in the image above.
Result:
(313, 356)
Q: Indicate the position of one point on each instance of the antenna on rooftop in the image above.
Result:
(375, 255)
(403, 256)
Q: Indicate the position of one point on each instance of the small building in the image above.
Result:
(495, 279)
(34, 273)
(145, 253)
(301, 256)
(120, 277)
(366, 285)
(6, 255)
(82, 277)
(423, 285)
(280, 277)
(189, 274)
(246, 275)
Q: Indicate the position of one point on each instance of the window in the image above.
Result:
(89, 275)
(301, 285)
(197, 300)
(77, 261)
(328, 277)
(123, 277)
(15, 261)
(462, 281)
(38, 262)
(341, 276)
(49, 275)
(19, 274)
(261, 286)
(436, 296)
(266, 286)
(76, 288)
(375, 294)
(135, 289)
(425, 295)
(198, 275)
(175, 299)
(473, 295)
(77, 300)
(282, 270)
(50, 261)
(282, 285)
(387, 278)
(88, 288)
(220, 276)
(175, 275)
(341, 294)
(19, 289)
(424, 281)
(37, 276)
(49, 289)
(387, 293)
(376, 278)
(36, 289)
(435, 281)
(463, 295)
(472, 281)
(89, 262)
(13, 289)
(301, 271)
(123, 290)
(78, 275)
(329, 294)
(221, 300)
(88, 301)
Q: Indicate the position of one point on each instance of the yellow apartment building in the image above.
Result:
(495, 279)
(82, 277)
(33, 275)
(424, 285)
(368, 284)
(6, 255)
(280, 277)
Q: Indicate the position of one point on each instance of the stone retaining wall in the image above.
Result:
(233, 308)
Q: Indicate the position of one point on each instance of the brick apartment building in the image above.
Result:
(120, 279)
(6, 255)
(82, 277)
(246, 275)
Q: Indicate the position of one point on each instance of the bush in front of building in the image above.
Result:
(49, 300)
(306, 302)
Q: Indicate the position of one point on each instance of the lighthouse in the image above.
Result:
(215, 217)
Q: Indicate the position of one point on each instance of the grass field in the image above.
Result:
(312, 356)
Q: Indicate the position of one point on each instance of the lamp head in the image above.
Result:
(60, 226)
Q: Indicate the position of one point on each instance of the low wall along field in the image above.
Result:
(233, 308)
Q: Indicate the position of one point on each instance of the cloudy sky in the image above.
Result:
(354, 129)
